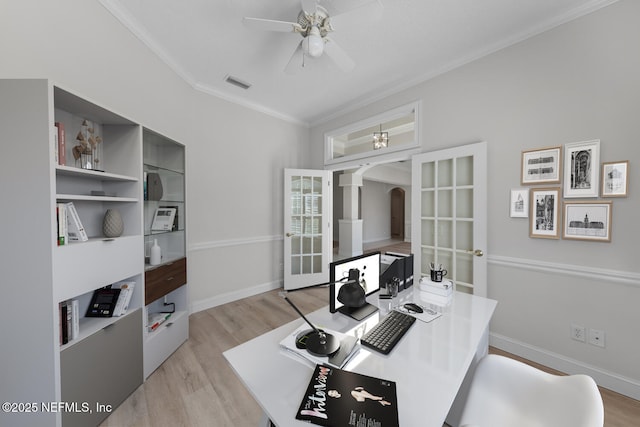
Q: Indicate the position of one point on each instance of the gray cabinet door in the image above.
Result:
(102, 370)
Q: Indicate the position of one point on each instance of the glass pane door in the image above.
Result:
(306, 244)
(449, 215)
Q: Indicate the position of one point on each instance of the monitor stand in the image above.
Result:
(358, 313)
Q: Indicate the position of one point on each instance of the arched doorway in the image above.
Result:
(397, 213)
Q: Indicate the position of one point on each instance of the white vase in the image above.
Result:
(112, 225)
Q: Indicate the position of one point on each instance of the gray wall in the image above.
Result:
(234, 201)
(577, 82)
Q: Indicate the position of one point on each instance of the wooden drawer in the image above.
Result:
(163, 279)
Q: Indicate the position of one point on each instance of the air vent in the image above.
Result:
(237, 82)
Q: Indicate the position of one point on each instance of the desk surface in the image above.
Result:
(428, 364)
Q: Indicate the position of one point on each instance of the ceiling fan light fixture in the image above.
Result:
(313, 45)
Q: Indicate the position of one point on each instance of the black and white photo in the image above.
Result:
(581, 169)
(541, 166)
(587, 221)
(544, 221)
(615, 179)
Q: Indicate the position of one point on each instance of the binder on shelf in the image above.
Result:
(75, 230)
(61, 210)
(55, 145)
(62, 158)
(126, 292)
(75, 317)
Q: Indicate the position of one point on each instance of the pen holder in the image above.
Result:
(438, 275)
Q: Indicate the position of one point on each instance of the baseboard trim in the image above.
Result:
(609, 380)
(228, 297)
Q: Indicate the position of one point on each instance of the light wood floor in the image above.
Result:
(197, 387)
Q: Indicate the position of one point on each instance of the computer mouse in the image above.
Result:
(413, 307)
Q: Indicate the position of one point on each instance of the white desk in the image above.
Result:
(429, 364)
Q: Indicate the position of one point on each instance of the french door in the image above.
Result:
(449, 214)
(307, 227)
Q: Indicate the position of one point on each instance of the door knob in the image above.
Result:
(478, 252)
(289, 234)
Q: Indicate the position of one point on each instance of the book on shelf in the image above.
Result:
(62, 160)
(103, 302)
(61, 215)
(69, 312)
(294, 345)
(75, 230)
(126, 292)
(56, 157)
(335, 397)
(64, 326)
(156, 319)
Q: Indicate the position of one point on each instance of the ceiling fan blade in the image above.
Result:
(296, 62)
(338, 55)
(309, 6)
(338, 7)
(271, 25)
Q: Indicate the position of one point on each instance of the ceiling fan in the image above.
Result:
(313, 24)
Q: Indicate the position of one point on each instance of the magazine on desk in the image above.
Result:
(348, 348)
(336, 397)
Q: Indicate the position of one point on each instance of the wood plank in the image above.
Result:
(197, 387)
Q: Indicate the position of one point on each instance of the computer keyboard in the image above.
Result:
(386, 334)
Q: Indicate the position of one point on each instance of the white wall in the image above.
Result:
(577, 82)
(235, 156)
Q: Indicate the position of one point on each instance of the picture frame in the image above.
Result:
(615, 179)
(586, 220)
(581, 169)
(541, 166)
(544, 218)
(519, 204)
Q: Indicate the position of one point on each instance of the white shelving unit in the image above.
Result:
(104, 363)
(166, 283)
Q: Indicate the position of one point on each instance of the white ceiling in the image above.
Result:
(408, 42)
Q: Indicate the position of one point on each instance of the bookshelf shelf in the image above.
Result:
(103, 176)
(81, 197)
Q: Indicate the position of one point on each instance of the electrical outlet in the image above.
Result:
(596, 337)
(578, 333)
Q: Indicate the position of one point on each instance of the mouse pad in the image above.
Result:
(427, 315)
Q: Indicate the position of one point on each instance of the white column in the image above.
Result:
(350, 227)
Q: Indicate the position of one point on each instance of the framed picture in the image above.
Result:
(615, 179)
(541, 166)
(519, 206)
(587, 221)
(581, 169)
(544, 219)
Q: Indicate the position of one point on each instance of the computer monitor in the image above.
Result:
(368, 267)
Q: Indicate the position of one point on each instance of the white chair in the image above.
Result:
(508, 393)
